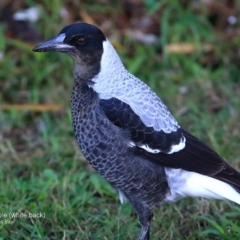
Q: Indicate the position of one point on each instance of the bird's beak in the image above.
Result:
(55, 44)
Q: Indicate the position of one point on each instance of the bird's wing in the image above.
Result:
(176, 149)
(142, 100)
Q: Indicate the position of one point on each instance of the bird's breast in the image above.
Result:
(106, 147)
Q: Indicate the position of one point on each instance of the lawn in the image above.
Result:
(48, 190)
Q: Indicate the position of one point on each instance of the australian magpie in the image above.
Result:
(129, 136)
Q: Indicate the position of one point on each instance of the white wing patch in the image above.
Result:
(145, 147)
(178, 147)
(115, 81)
(148, 149)
(131, 144)
(174, 148)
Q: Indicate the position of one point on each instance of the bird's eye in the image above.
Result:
(81, 40)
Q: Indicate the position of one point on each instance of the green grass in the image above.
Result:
(42, 169)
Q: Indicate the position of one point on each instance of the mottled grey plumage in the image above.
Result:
(105, 146)
(128, 135)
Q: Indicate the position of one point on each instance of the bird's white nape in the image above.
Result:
(110, 57)
(110, 63)
(111, 66)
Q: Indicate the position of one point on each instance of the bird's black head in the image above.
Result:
(83, 42)
(74, 39)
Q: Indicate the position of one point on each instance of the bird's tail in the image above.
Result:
(194, 184)
(214, 188)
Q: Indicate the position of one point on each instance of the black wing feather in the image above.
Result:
(124, 117)
(195, 157)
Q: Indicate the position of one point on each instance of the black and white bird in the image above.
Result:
(129, 136)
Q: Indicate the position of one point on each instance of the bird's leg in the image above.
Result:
(145, 216)
(145, 232)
